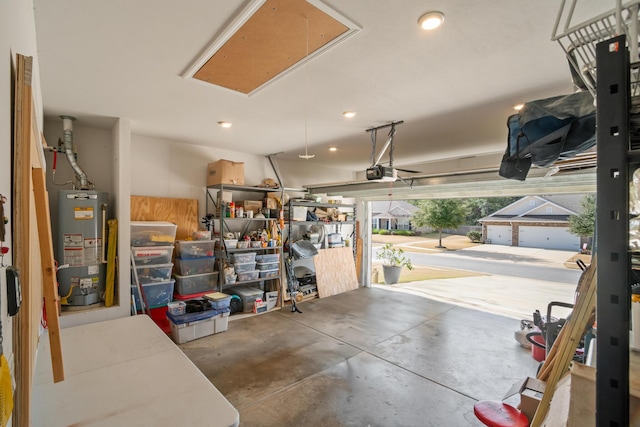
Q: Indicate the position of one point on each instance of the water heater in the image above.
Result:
(80, 245)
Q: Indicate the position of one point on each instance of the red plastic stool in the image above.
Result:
(499, 414)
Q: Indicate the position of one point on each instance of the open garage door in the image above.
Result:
(499, 234)
(548, 238)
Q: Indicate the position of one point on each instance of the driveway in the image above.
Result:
(507, 295)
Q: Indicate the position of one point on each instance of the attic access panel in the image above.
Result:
(268, 39)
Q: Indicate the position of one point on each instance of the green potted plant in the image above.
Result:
(393, 259)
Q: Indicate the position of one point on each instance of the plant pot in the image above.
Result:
(391, 274)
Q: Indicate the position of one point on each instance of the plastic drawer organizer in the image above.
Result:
(268, 258)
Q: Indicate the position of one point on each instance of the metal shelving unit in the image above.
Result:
(603, 55)
(612, 233)
(216, 209)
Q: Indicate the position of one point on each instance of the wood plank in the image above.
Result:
(358, 244)
(182, 212)
(24, 334)
(335, 271)
(580, 319)
(50, 289)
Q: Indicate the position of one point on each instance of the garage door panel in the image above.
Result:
(499, 234)
(548, 238)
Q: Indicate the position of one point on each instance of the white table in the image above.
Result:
(124, 372)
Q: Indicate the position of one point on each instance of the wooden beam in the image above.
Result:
(47, 262)
(24, 350)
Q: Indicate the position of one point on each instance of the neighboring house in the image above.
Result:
(392, 215)
(535, 222)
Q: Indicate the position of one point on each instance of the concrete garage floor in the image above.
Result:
(369, 357)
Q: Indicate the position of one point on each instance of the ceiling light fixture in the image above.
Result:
(349, 114)
(431, 20)
(225, 124)
(306, 154)
(518, 107)
(333, 149)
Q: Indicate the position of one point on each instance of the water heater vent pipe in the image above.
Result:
(67, 124)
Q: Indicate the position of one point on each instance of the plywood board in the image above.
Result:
(182, 212)
(278, 35)
(335, 271)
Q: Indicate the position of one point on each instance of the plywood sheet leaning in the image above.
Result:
(182, 212)
(335, 271)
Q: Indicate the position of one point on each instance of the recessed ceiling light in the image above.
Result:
(431, 20)
(333, 149)
(518, 107)
(225, 124)
(349, 114)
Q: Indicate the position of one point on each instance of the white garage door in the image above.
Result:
(499, 234)
(548, 238)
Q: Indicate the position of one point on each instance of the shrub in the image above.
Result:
(384, 232)
(375, 231)
(474, 236)
(404, 233)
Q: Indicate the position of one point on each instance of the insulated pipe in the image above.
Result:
(67, 125)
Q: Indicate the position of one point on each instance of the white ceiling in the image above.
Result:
(454, 88)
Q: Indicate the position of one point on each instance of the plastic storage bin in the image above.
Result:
(241, 267)
(267, 258)
(248, 275)
(194, 248)
(153, 273)
(152, 255)
(152, 233)
(267, 265)
(156, 294)
(248, 296)
(195, 283)
(218, 300)
(177, 308)
(243, 257)
(189, 266)
(191, 326)
(265, 274)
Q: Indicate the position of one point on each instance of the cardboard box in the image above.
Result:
(251, 205)
(270, 203)
(225, 172)
(531, 391)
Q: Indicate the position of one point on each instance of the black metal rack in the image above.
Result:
(613, 133)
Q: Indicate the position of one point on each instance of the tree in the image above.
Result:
(439, 214)
(583, 224)
(476, 208)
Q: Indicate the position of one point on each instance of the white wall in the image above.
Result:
(165, 168)
(17, 35)
(94, 148)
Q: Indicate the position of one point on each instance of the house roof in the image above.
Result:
(392, 209)
(539, 209)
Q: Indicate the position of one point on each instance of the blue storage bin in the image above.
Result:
(156, 294)
(193, 317)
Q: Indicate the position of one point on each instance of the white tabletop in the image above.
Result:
(124, 372)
